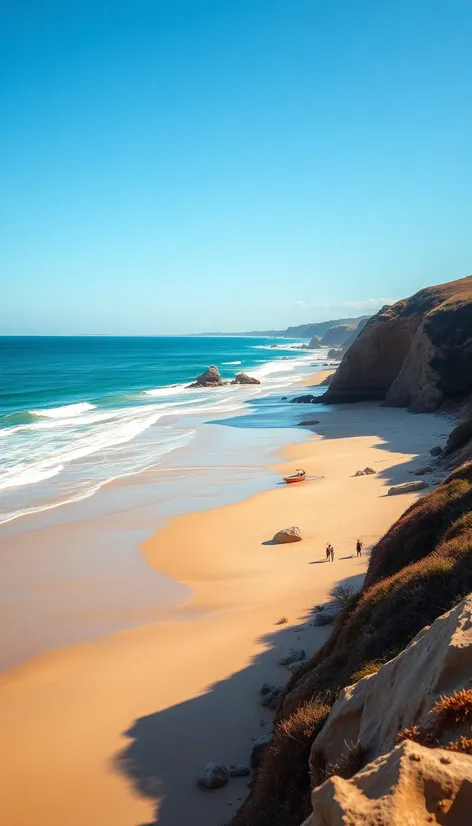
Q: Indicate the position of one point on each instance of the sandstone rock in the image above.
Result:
(293, 655)
(239, 770)
(411, 785)
(210, 378)
(258, 749)
(214, 776)
(243, 378)
(436, 451)
(287, 535)
(374, 710)
(368, 471)
(408, 487)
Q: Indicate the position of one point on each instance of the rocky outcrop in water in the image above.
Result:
(314, 343)
(416, 353)
(210, 378)
(243, 378)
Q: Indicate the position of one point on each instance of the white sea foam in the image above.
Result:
(78, 489)
(231, 362)
(170, 390)
(73, 450)
(66, 412)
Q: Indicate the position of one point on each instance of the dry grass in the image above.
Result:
(367, 670)
(446, 714)
(282, 792)
(282, 621)
(421, 568)
(347, 767)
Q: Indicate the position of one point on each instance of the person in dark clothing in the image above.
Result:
(331, 551)
(328, 552)
(359, 548)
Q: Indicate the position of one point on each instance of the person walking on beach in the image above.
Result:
(359, 548)
(331, 551)
(328, 552)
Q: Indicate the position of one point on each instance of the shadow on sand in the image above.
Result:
(199, 730)
(213, 726)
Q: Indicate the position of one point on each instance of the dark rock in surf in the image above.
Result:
(210, 378)
(243, 378)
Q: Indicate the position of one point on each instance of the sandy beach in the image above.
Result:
(114, 732)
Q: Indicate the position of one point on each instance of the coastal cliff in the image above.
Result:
(382, 712)
(416, 353)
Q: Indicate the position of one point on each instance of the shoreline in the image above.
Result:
(136, 715)
(44, 559)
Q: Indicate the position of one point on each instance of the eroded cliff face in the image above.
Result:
(374, 360)
(396, 747)
(416, 353)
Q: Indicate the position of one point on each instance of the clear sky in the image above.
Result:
(172, 166)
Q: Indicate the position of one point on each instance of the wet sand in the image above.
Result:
(113, 733)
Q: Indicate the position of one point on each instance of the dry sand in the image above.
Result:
(113, 733)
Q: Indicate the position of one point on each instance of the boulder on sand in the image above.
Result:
(293, 655)
(286, 535)
(210, 378)
(408, 487)
(368, 471)
(214, 776)
(259, 748)
(243, 378)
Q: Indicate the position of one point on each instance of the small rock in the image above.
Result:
(214, 776)
(286, 535)
(266, 688)
(308, 423)
(366, 472)
(436, 451)
(284, 398)
(239, 770)
(294, 666)
(307, 398)
(422, 471)
(259, 748)
(271, 700)
(293, 655)
(408, 487)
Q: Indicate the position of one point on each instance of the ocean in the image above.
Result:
(79, 412)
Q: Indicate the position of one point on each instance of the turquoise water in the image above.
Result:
(76, 413)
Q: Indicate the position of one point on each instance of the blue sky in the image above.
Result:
(183, 165)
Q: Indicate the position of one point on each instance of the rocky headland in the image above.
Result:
(415, 354)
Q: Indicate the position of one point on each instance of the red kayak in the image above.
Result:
(299, 476)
